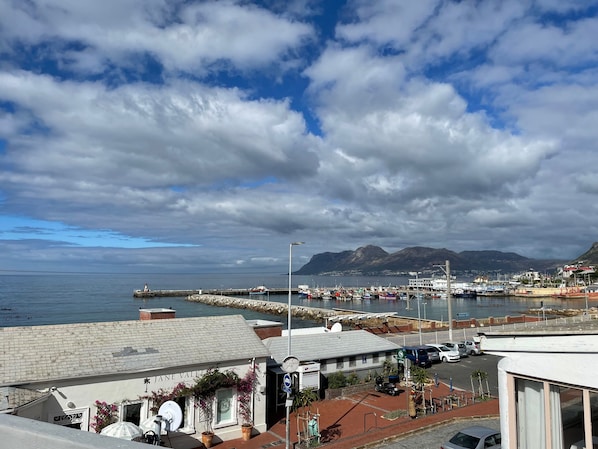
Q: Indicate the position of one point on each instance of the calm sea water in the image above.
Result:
(40, 299)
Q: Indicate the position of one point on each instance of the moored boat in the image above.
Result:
(259, 290)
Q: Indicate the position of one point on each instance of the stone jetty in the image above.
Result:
(269, 307)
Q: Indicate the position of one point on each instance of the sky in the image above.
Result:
(206, 136)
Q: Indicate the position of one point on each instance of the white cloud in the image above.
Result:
(239, 128)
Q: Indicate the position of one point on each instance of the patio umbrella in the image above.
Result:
(124, 430)
(149, 424)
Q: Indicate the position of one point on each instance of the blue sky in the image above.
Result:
(197, 136)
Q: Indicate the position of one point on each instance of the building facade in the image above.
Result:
(68, 374)
(548, 388)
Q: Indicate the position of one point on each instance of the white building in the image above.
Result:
(57, 373)
(548, 388)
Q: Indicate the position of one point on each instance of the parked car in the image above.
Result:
(460, 347)
(472, 347)
(446, 354)
(418, 356)
(433, 354)
(474, 437)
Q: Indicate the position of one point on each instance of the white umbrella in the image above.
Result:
(149, 424)
(124, 430)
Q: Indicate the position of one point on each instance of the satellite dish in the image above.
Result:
(336, 327)
(172, 414)
(290, 364)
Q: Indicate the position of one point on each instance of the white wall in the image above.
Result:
(115, 390)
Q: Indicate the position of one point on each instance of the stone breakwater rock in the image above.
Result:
(270, 307)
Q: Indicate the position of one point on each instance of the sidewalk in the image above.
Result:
(358, 421)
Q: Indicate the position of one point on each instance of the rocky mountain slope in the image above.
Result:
(373, 260)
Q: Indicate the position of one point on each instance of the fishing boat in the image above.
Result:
(259, 290)
(389, 296)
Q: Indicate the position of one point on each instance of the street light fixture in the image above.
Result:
(289, 402)
(419, 318)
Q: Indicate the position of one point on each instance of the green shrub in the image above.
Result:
(337, 380)
(352, 379)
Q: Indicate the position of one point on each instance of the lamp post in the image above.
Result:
(419, 318)
(289, 402)
(447, 271)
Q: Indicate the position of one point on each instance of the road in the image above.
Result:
(460, 372)
(434, 437)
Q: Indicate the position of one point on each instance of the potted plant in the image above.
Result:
(245, 389)
(204, 390)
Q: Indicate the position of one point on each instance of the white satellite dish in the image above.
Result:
(336, 327)
(172, 414)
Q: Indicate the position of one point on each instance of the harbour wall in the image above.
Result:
(269, 307)
(375, 324)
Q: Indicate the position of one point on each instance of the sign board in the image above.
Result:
(401, 355)
(463, 315)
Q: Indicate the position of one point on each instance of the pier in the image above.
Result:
(220, 292)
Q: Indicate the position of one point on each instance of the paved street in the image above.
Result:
(460, 372)
(433, 437)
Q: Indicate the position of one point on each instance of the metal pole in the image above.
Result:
(448, 299)
(419, 319)
(288, 400)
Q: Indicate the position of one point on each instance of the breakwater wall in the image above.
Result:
(269, 307)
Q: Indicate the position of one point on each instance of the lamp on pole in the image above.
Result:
(419, 318)
(447, 271)
(289, 305)
(289, 401)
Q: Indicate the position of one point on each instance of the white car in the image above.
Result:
(446, 354)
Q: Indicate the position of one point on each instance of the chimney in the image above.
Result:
(156, 314)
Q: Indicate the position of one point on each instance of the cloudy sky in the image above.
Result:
(193, 136)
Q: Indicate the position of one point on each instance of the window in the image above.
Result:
(352, 361)
(132, 412)
(364, 359)
(339, 363)
(570, 400)
(182, 402)
(540, 404)
(375, 357)
(226, 407)
(531, 432)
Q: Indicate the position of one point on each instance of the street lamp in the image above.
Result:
(289, 402)
(419, 318)
(289, 305)
(447, 271)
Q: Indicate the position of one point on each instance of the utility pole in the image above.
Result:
(447, 271)
(448, 298)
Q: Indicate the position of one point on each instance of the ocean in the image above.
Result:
(32, 299)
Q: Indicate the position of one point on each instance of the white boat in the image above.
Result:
(259, 290)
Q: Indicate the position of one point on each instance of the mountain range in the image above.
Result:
(373, 260)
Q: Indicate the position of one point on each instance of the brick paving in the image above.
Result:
(359, 421)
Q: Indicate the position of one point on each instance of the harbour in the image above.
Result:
(49, 298)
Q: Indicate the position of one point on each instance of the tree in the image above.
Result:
(480, 376)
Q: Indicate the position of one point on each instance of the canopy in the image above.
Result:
(149, 424)
(123, 429)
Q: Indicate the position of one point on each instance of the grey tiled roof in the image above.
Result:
(328, 345)
(41, 353)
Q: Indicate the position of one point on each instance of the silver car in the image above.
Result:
(474, 437)
(472, 347)
(460, 347)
